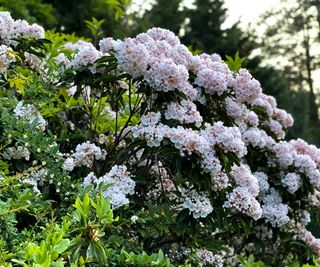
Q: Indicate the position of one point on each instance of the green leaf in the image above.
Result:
(57, 264)
(236, 63)
(94, 25)
(97, 253)
(18, 83)
(62, 246)
(75, 248)
(19, 262)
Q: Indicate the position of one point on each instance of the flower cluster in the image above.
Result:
(120, 184)
(243, 177)
(19, 152)
(219, 181)
(227, 138)
(292, 181)
(246, 88)
(208, 258)
(273, 210)
(35, 179)
(84, 155)
(11, 29)
(291, 154)
(31, 115)
(85, 57)
(241, 200)
(5, 58)
(198, 204)
(257, 138)
(214, 80)
(132, 57)
(185, 113)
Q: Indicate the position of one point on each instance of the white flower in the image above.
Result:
(185, 112)
(198, 204)
(120, 184)
(241, 200)
(5, 58)
(134, 218)
(69, 164)
(30, 114)
(85, 57)
(262, 181)
(292, 181)
(276, 214)
(208, 258)
(247, 89)
(243, 177)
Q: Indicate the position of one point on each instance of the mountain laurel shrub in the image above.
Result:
(138, 153)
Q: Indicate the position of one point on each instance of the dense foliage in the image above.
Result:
(141, 154)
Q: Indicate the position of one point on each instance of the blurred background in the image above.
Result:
(279, 39)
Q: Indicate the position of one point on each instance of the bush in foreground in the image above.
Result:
(143, 154)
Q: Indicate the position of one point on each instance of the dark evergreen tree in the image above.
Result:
(204, 30)
(164, 14)
(204, 25)
(71, 15)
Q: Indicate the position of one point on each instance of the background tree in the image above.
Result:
(291, 35)
(204, 31)
(71, 15)
(34, 11)
(164, 15)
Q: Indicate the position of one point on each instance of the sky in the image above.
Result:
(247, 11)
